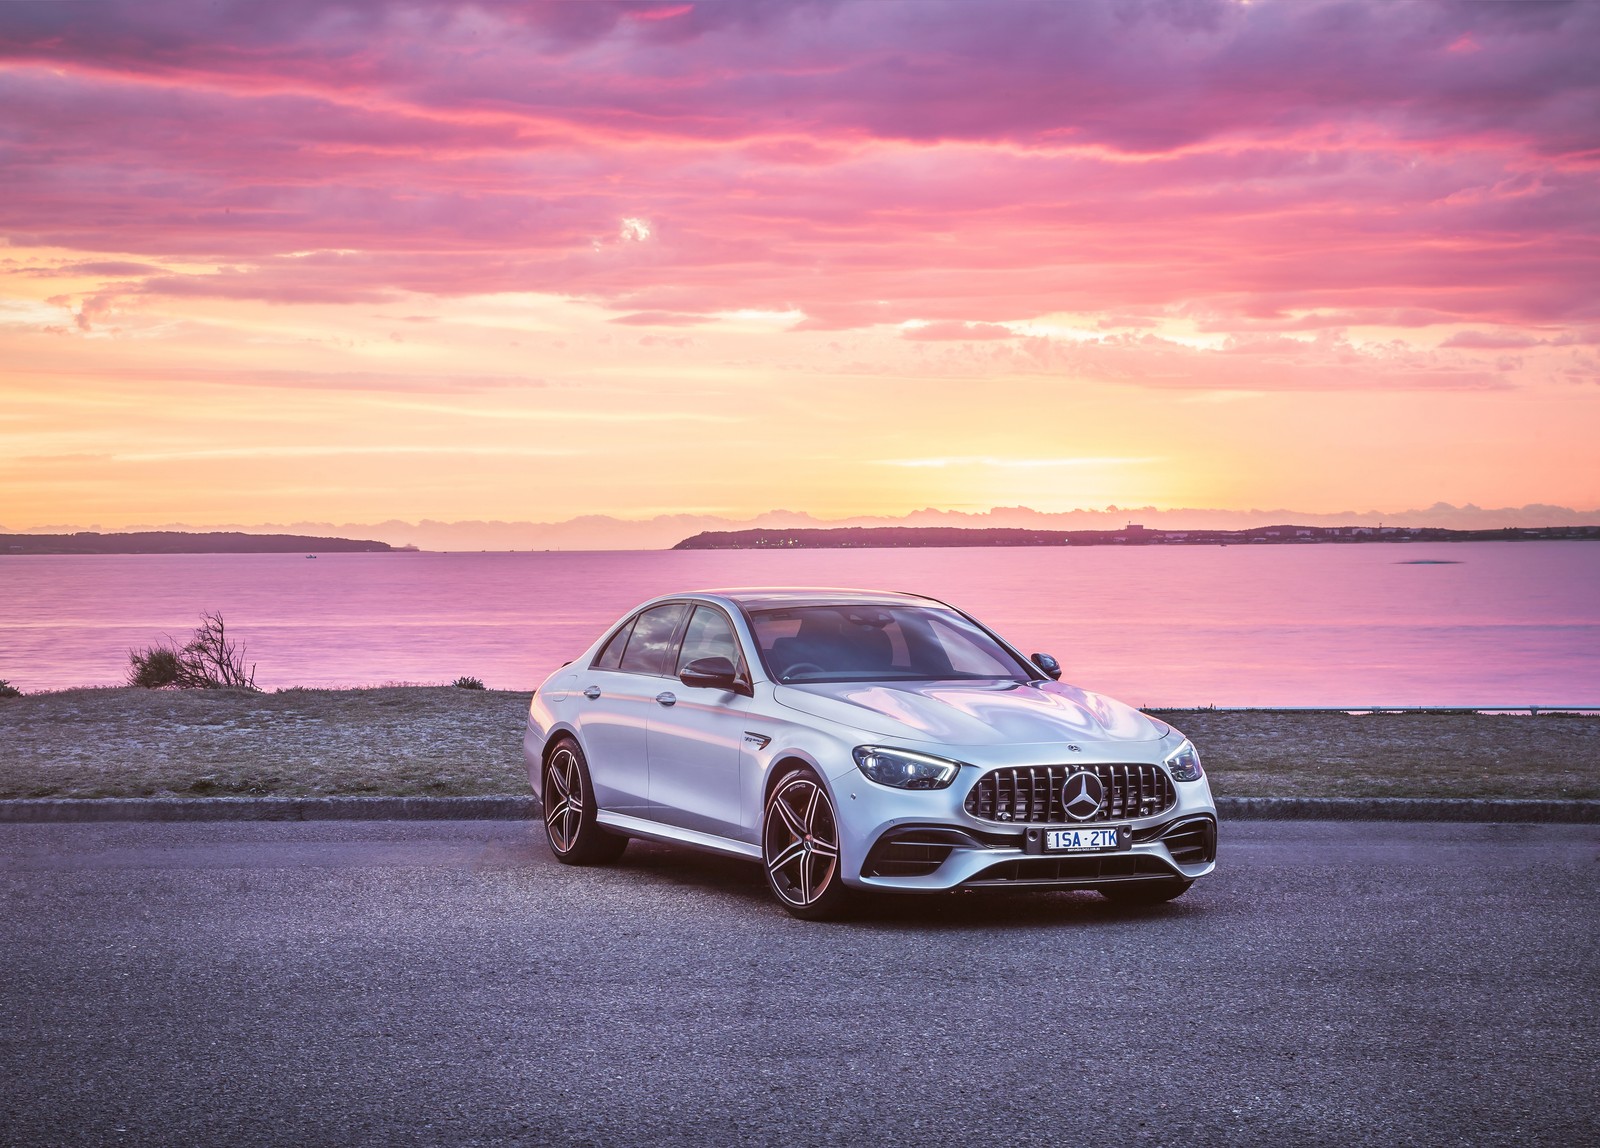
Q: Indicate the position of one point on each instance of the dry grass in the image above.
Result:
(1264, 753)
(441, 740)
(205, 743)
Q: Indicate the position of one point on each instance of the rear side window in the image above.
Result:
(650, 644)
(611, 657)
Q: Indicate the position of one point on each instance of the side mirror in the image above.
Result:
(1049, 665)
(716, 672)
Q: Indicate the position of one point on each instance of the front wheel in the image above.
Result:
(576, 838)
(800, 847)
(1145, 892)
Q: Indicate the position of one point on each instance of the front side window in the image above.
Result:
(650, 643)
(879, 643)
(709, 636)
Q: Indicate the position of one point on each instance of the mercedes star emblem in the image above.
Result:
(1082, 794)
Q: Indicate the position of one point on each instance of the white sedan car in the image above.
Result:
(851, 739)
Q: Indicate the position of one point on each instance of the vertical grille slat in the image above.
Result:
(1032, 794)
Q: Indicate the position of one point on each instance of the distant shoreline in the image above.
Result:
(891, 537)
(187, 542)
(175, 542)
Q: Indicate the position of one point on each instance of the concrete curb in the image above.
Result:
(1405, 809)
(514, 807)
(508, 807)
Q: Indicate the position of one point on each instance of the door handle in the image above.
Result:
(592, 692)
(667, 698)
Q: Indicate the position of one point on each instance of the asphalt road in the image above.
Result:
(447, 983)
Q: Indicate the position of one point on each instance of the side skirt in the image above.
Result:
(672, 835)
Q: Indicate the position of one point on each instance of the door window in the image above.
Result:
(709, 636)
(651, 641)
(611, 657)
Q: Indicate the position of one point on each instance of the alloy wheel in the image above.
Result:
(563, 807)
(801, 841)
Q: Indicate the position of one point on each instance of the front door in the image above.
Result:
(696, 741)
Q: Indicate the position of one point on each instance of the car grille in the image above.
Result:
(1032, 794)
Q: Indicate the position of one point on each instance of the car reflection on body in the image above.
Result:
(851, 739)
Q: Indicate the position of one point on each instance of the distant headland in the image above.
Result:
(878, 537)
(185, 542)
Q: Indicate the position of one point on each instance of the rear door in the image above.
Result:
(615, 698)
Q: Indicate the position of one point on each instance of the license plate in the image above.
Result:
(1098, 840)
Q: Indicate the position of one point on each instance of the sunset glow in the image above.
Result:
(351, 263)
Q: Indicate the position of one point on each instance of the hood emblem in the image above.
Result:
(1082, 794)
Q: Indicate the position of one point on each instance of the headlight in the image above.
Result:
(1184, 762)
(904, 769)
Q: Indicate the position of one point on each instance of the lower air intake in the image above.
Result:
(1067, 870)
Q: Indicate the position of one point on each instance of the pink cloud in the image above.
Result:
(1272, 167)
(660, 319)
(954, 330)
(1490, 340)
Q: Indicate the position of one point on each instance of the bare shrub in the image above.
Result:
(7, 690)
(155, 667)
(210, 660)
(468, 683)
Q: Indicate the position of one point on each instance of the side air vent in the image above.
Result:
(1192, 841)
(914, 852)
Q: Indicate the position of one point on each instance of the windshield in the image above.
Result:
(879, 644)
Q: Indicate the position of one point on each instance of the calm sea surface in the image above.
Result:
(1501, 624)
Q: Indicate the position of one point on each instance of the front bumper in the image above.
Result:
(925, 841)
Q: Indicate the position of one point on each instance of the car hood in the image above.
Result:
(973, 713)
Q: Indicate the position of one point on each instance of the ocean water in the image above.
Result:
(1327, 625)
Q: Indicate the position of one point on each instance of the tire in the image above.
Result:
(800, 847)
(569, 810)
(1145, 892)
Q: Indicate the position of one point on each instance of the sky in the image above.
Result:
(308, 262)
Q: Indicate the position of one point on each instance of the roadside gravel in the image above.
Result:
(443, 741)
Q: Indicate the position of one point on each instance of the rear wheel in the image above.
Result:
(800, 847)
(1145, 892)
(576, 838)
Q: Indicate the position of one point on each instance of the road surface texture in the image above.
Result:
(448, 983)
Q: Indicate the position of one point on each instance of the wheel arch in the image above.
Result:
(781, 764)
(553, 736)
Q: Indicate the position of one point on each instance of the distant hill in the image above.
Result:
(880, 537)
(183, 542)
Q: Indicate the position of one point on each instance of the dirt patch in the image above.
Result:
(406, 740)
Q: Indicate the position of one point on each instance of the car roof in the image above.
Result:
(769, 597)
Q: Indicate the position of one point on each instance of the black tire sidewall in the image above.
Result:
(1135, 893)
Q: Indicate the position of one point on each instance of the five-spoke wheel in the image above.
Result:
(800, 847)
(569, 821)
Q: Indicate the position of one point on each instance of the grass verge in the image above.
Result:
(407, 740)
